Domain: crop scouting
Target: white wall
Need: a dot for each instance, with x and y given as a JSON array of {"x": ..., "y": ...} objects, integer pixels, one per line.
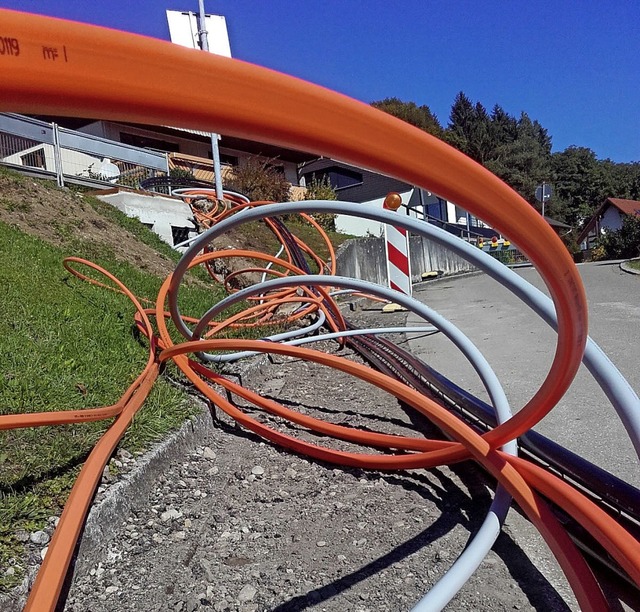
[
  {"x": 611, "y": 220},
  {"x": 74, "y": 163},
  {"x": 357, "y": 226},
  {"x": 159, "y": 212}
]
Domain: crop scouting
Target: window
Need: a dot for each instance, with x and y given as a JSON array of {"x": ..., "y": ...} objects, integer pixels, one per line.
[
  {"x": 144, "y": 142},
  {"x": 278, "y": 168},
  {"x": 35, "y": 159},
  {"x": 339, "y": 178},
  {"x": 225, "y": 160},
  {"x": 437, "y": 210},
  {"x": 179, "y": 234}
]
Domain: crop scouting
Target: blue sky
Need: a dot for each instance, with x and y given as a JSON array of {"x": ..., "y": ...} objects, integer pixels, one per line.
[{"x": 572, "y": 65}]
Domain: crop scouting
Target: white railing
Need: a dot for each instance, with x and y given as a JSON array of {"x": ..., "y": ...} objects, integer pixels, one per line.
[{"x": 48, "y": 149}]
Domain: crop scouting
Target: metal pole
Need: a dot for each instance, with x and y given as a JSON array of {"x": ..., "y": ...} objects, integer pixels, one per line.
[
  {"x": 215, "y": 152},
  {"x": 57, "y": 155},
  {"x": 543, "y": 184},
  {"x": 202, "y": 27},
  {"x": 422, "y": 203}
]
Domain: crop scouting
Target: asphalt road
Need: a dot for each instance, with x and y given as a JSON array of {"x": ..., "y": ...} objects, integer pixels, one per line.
[{"x": 520, "y": 347}]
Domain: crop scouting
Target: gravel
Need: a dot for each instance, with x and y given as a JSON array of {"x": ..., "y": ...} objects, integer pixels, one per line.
[{"x": 241, "y": 525}]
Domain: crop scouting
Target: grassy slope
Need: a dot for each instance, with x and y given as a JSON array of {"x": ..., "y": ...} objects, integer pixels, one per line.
[{"x": 65, "y": 345}]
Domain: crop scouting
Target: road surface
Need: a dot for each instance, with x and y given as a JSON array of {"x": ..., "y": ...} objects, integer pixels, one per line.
[{"x": 520, "y": 347}]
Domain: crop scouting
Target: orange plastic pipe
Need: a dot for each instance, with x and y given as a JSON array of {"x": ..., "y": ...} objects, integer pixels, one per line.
[
  {"x": 299, "y": 115},
  {"x": 50, "y": 578},
  {"x": 93, "y": 76}
]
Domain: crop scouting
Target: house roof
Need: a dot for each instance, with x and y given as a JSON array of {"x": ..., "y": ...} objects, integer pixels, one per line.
[
  {"x": 372, "y": 185},
  {"x": 626, "y": 207},
  {"x": 556, "y": 223}
]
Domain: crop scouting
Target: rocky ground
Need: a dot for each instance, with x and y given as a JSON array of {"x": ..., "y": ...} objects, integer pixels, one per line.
[{"x": 242, "y": 525}]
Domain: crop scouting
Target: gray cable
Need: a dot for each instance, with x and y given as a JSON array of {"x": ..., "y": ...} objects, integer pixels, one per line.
[
  {"x": 299, "y": 331},
  {"x": 308, "y": 339},
  {"x": 623, "y": 398},
  {"x": 481, "y": 543},
  {"x": 617, "y": 389}
]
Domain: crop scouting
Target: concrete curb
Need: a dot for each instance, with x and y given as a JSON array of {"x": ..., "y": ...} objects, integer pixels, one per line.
[
  {"x": 136, "y": 485},
  {"x": 423, "y": 284},
  {"x": 625, "y": 267},
  {"x": 121, "y": 497}
]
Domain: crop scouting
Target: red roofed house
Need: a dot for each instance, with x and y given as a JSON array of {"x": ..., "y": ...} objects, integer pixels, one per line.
[{"x": 608, "y": 217}]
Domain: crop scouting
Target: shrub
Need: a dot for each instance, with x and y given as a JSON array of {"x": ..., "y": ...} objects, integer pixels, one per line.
[
  {"x": 181, "y": 173},
  {"x": 622, "y": 243},
  {"x": 259, "y": 180},
  {"x": 322, "y": 190}
]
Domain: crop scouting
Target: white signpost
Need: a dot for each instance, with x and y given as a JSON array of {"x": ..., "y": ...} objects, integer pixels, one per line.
[
  {"x": 543, "y": 194},
  {"x": 209, "y": 33}
]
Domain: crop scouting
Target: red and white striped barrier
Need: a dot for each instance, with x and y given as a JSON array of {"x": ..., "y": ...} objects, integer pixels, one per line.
[{"x": 397, "y": 249}]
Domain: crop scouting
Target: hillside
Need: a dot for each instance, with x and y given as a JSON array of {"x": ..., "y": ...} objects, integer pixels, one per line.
[
  {"x": 66, "y": 218},
  {"x": 68, "y": 345}
]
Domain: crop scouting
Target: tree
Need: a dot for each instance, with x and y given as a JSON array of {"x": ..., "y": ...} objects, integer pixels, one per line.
[
  {"x": 580, "y": 182},
  {"x": 469, "y": 129},
  {"x": 504, "y": 127},
  {"x": 419, "y": 116},
  {"x": 522, "y": 159},
  {"x": 259, "y": 179},
  {"x": 518, "y": 150}
]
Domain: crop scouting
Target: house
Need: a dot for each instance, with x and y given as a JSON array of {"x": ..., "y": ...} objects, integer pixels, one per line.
[
  {"x": 353, "y": 184},
  {"x": 191, "y": 149},
  {"x": 609, "y": 216},
  {"x": 93, "y": 152}
]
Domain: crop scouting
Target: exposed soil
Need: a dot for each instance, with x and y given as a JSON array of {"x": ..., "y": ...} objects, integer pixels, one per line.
[
  {"x": 58, "y": 216},
  {"x": 242, "y": 525}
]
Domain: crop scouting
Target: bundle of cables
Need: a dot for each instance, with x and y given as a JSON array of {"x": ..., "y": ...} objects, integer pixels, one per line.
[{"x": 282, "y": 110}]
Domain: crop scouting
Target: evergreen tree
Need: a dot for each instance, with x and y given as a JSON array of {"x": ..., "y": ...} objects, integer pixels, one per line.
[
  {"x": 419, "y": 116},
  {"x": 523, "y": 162},
  {"x": 469, "y": 129}
]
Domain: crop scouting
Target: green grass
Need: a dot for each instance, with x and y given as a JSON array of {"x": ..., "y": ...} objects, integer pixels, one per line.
[
  {"x": 635, "y": 264},
  {"x": 68, "y": 345},
  {"x": 65, "y": 344},
  {"x": 257, "y": 236}
]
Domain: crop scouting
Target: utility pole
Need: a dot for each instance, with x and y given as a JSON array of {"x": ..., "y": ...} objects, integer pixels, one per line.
[{"x": 215, "y": 152}]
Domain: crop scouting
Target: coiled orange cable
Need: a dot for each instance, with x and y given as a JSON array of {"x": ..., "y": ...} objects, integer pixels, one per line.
[{"x": 281, "y": 110}]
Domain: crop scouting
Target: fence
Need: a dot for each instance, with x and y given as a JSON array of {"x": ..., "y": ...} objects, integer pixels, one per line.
[
  {"x": 509, "y": 256},
  {"x": 50, "y": 150}
]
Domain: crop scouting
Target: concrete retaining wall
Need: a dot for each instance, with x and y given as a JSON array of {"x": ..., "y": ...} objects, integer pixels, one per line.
[
  {"x": 364, "y": 258},
  {"x": 161, "y": 213}
]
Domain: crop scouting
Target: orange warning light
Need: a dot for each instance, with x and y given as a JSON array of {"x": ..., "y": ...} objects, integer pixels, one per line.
[{"x": 393, "y": 201}]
